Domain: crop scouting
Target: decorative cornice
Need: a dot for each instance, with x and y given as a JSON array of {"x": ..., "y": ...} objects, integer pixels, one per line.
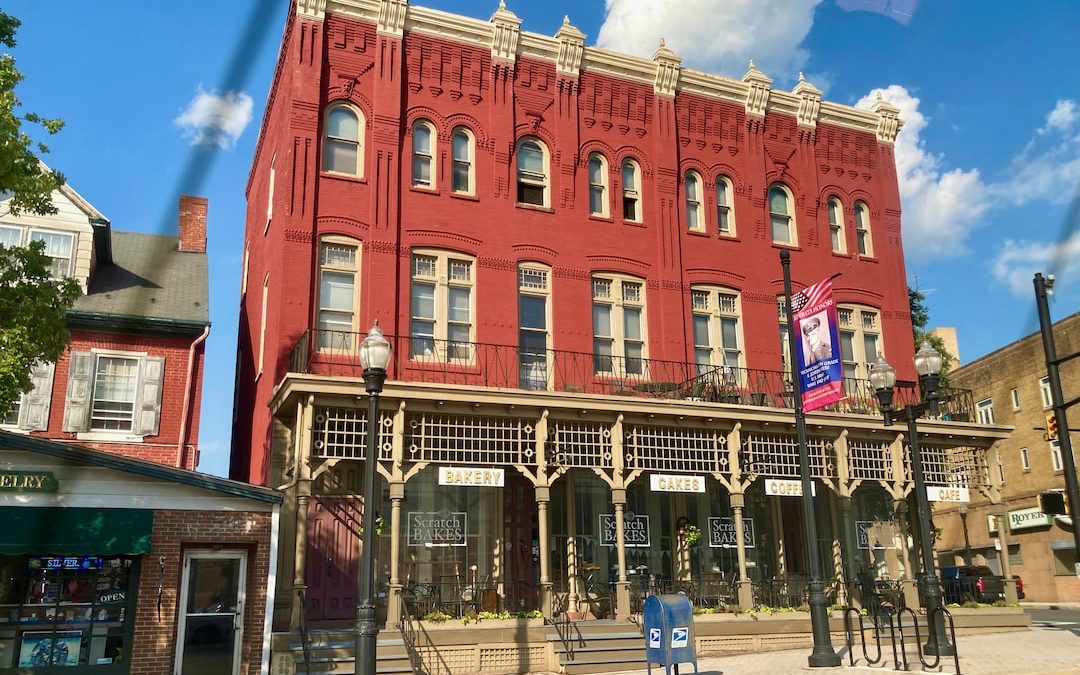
[
  {"x": 668, "y": 65},
  {"x": 506, "y": 31},
  {"x": 809, "y": 102},
  {"x": 758, "y": 86},
  {"x": 311, "y": 9},
  {"x": 571, "y": 47},
  {"x": 392, "y": 17},
  {"x": 889, "y": 122}
]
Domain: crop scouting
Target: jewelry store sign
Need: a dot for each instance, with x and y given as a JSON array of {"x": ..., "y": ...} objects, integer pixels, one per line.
[
  {"x": 787, "y": 488},
  {"x": 635, "y": 530},
  {"x": 471, "y": 476},
  {"x": 722, "y": 532},
  {"x": 28, "y": 481},
  {"x": 676, "y": 483},
  {"x": 943, "y": 493},
  {"x": 436, "y": 528}
]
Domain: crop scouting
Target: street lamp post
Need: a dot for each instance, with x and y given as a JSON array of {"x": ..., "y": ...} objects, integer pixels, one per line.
[
  {"x": 928, "y": 364},
  {"x": 374, "y": 357},
  {"x": 967, "y": 542}
]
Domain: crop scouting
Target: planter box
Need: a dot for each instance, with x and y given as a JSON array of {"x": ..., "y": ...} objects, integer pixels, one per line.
[{"x": 484, "y": 624}]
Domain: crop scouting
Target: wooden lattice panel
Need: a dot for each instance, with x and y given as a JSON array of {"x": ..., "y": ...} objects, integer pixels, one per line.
[
  {"x": 513, "y": 658},
  {"x": 579, "y": 444},
  {"x": 466, "y": 439},
  {"x": 955, "y": 466},
  {"x": 777, "y": 455},
  {"x": 869, "y": 460},
  {"x": 448, "y": 660},
  {"x": 735, "y": 644},
  {"x": 342, "y": 433},
  {"x": 675, "y": 449}
]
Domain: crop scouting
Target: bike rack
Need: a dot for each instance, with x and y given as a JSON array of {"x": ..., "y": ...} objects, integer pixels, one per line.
[{"x": 894, "y": 618}]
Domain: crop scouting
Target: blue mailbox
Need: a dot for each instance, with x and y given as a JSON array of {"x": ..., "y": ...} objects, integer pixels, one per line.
[{"x": 669, "y": 632}]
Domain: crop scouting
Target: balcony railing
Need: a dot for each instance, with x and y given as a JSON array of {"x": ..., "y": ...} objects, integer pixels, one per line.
[{"x": 473, "y": 364}]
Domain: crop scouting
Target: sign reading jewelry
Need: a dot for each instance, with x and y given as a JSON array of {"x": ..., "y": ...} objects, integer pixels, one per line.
[
  {"x": 635, "y": 530},
  {"x": 436, "y": 528},
  {"x": 470, "y": 475},
  {"x": 28, "y": 481},
  {"x": 722, "y": 532}
]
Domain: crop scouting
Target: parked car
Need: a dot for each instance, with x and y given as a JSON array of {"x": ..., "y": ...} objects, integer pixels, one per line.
[
  {"x": 967, "y": 583},
  {"x": 1019, "y": 586}
]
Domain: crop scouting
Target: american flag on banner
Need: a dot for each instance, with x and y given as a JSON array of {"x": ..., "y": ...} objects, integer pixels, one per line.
[{"x": 821, "y": 378}]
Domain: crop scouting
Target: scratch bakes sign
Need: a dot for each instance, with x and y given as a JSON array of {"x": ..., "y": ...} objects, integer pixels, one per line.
[
  {"x": 787, "y": 488},
  {"x": 942, "y": 493},
  {"x": 470, "y": 475},
  {"x": 722, "y": 532},
  {"x": 868, "y": 536},
  {"x": 28, "y": 481},
  {"x": 635, "y": 530},
  {"x": 676, "y": 483},
  {"x": 436, "y": 528}
]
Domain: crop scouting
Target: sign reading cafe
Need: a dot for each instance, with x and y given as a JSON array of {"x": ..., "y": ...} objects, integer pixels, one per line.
[
  {"x": 436, "y": 528},
  {"x": 722, "y": 532},
  {"x": 635, "y": 530}
]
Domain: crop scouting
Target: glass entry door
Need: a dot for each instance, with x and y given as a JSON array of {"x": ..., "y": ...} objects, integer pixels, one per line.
[{"x": 212, "y": 613}]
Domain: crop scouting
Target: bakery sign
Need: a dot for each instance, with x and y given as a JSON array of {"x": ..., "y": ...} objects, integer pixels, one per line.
[
  {"x": 635, "y": 530},
  {"x": 471, "y": 476},
  {"x": 722, "y": 532},
  {"x": 28, "y": 481},
  {"x": 436, "y": 528},
  {"x": 676, "y": 483}
]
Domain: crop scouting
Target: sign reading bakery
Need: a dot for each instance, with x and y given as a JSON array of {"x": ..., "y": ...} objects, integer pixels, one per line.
[
  {"x": 662, "y": 482},
  {"x": 28, "y": 481},
  {"x": 471, "y": 476}
]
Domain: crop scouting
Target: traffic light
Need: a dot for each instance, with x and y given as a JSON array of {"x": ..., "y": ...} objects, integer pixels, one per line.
[
  {"x": 1053, "y": 503},
  {"x": 1051, "y": 427}
]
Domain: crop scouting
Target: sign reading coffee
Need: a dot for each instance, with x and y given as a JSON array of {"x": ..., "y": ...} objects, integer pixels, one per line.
[
  {"x": 436, "y": 528},
  {"x": 635, "y": 530},
  {"x": 722, "y": 532}
]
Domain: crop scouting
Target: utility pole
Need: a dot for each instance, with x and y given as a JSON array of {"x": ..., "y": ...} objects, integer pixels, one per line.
[{"x": 1043, "y": 288}]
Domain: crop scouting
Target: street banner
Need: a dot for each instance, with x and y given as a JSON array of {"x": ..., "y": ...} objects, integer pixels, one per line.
[{"x": 820, "y": 370}]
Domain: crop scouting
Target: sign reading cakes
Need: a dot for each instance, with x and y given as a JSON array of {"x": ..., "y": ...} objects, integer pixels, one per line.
[
  {"x": 722, "y": 532},
  {"x": 28, "y": 481},
  {"x": 635, "y": 530},
  {"x": 436, "y": 528},
  {"x": 661, "y": 482}
]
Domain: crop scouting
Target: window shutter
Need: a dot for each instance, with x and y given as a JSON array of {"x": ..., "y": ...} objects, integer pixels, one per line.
[
  {"x": 148, "y": 400},
  {"x": 34, "y": 412},
  {"x": 80, "y": 380}
]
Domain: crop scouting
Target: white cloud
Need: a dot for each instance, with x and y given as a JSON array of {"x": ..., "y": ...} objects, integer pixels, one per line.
[
  {"x": 1018, "y": 261},
  {"x": 941, "y": 207},
  {"x": 1062, "y": 117},
  {"x": 716, "y": 35},
  {"x": 210, "y": 119}
]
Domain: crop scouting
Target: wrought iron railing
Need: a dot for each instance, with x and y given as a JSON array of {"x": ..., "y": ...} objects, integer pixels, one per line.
[{"x": 475, "y": 364}]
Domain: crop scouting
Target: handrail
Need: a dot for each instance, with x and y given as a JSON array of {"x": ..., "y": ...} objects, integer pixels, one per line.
[
  {"x": 408, "y": 635},
  {"x": 303, "y": 628}
]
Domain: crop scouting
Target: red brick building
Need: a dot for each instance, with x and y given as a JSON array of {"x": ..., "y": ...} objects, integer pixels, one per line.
[
  {"x": 116, "y": 556},
  {"x": 575, "y": 255}
]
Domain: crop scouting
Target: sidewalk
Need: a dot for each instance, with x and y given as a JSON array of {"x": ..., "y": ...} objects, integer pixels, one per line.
[{"x": 1040, "y": 651}]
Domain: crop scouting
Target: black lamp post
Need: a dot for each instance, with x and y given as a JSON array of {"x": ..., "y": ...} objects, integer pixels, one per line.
[
  {"x": 374, "y": 357},
  {"x": 928, "y": 364},
  {"x": 967, "y": 542}
]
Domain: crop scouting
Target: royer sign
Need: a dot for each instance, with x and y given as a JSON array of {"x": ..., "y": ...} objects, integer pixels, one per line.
[
  {"x": 470, "y": 475},
  {"x": 1023, "y": 519}
]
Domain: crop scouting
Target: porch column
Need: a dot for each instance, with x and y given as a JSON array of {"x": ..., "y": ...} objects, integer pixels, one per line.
[
  {"x": 911, "y": 586},
  {"x": 543, "y": 497},
  {"x": 622, "y": 587},
  {"x": 303, "y": 497},
  {"x": 746, "y": 590},
  {"x": 779, "y": 545},
  {"x": 393, "y": 605},
  {"x": 847, "y": 547},
  {"x": 571, "y": 546},
  {"x": 1002, "y": 518}
]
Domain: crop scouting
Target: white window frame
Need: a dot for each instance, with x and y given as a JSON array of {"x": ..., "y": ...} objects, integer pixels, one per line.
[
  {"x": 534, "y": 281},
  {"x": 24, "y": 236},
  {"x": 631, "y": 191},
  {"x": 984, "y": 411},
  {"x": 863, "y": 234},
  {"x": 598, "y": 184},
  {"x": 526, "y": 179},
  {"x": 718, "y": 306},
  {"x": 148, "y": 390},
  {"x": 785, "y": 343},
  {"x": 692, "y": 198},
  {"x": 1055, "y": 456},
  {"x": 725, "y": 206},
  {"x": 1025, "y": 459},
  {"x": 262, "y": 323},
  {"x": 423, "y": 157},
  {"x": 857, "y": 363},
  {"x": 356, "y": 143},
  {"x": 270, "y": 180},
  {"x": 620, "y": 304},
  {"x": 1044, "y": 391},
  {"x": 342, "y": 270},
  {"x": 792, "y": 238},
  {"x": 835, "y": 210},
  {"x": 1014, "y": 394},
  {"x": 468, "y": 163},
  {"x": 443, "y": 283}
]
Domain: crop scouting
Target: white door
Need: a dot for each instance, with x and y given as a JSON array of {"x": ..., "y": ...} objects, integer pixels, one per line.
[{"x": 211, "y": 622}]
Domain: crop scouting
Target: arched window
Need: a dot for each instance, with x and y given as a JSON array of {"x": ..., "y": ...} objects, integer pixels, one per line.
[
  {"x": 597, "y": 185},
  {"x": 692, "y": 186},
  {"x": 631, "y": 191},
  {"x": 862, "y": 229},
  {"x": 423, "y": 164},
  {"x": 461, "y": 173},
  {"x": 725, "y": 214},
  {"x": 532, "y": 173},
  {"x": 836, "y": 225},
  {"x": 781, "y": 215},
  {"x": 343, "y": 141}
]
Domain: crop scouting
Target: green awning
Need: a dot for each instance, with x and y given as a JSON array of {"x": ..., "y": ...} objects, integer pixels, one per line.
[{"x": 75, "y": 531}]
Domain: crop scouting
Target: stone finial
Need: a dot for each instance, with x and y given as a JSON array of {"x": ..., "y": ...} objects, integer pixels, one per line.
[
  {"x": 809, "y": 102},
  {"x": 506, "y": 33},
  {"x": 571, "y": 47},
  {"x": 759, "y": 85},
  {"x": 889, "y": 122},
  {"x": 668, "y": 67},
  {"x": 392, "y": 17}
]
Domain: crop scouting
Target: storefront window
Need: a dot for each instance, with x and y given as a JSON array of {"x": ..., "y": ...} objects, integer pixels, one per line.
[
  {"x": 879, "y": 541},
  {"x": 65, "y": 610}
]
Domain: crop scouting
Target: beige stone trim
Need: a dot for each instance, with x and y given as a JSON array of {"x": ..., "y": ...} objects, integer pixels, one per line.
[
  {"x": 571, "y": 47},
  {"x": 311, "y": 9},
  {"x": 392, "y": 17},
  {"x": 505, "y": 33},
  {"x": 668, "y": 65}
]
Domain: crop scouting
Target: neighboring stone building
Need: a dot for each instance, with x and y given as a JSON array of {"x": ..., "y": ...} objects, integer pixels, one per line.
[
  {"x": 575, "y": 254},
  {"x": 1011, "y": 388}
]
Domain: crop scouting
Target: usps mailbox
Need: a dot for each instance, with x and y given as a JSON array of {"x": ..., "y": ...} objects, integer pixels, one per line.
[{"x": 669, "y": 632}]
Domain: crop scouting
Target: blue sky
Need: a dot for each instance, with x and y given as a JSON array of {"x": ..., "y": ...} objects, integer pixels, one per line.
[{"x": 165, "y": 98}]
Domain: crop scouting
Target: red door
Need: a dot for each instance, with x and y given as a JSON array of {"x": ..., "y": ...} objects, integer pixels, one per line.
[
  {"x": 521, "y": 541},
  {"x": 333, "y": 545}
]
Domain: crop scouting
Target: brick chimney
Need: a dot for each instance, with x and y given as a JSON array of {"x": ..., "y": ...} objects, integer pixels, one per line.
[{"x": 192, "y": 224}]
